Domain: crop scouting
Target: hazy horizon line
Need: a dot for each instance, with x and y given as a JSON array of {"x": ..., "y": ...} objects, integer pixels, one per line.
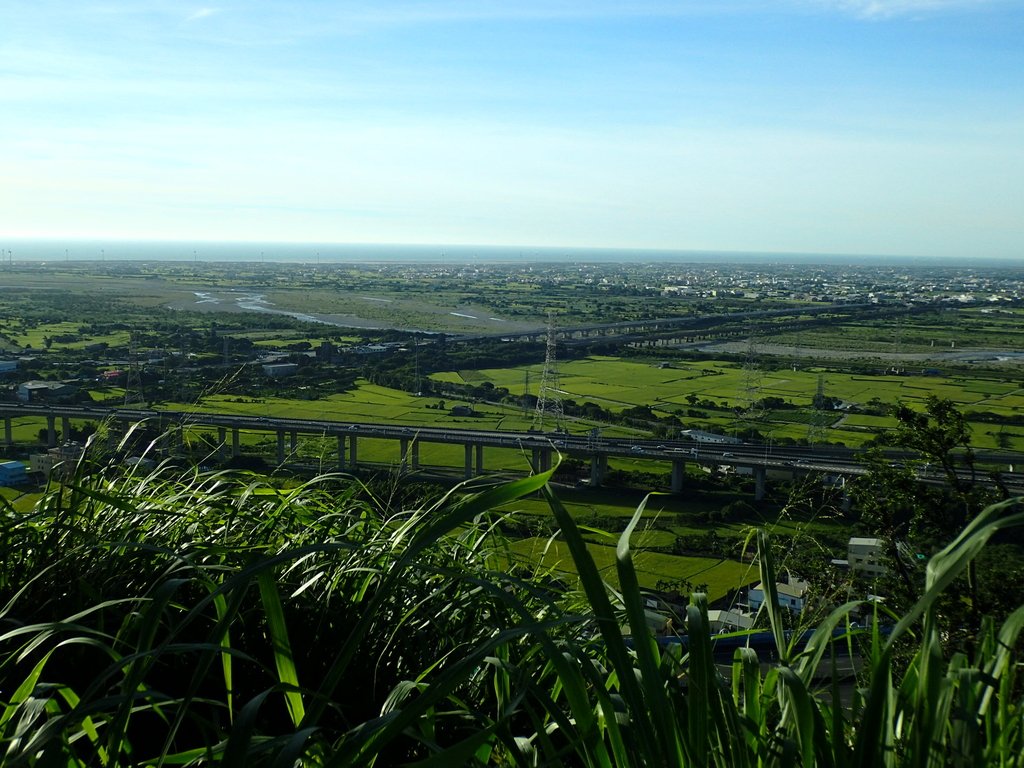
[{"x": 60, "y": 248}]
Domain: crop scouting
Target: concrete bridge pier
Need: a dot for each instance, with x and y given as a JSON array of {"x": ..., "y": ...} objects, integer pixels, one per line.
[
  {"x": 480, "y": 459},
  {"x": 236, "y": 442},
  {"x": 51, "y": 431},
  {"x": 280, "y": 446},
  {"x": 545, "y": 459},
  {"x": 678, "y": 475},
  {"x": 65, "y": 428},
  {"x": 114, "y": 430},
  {"x": 469, "y": 461},
  {"x": 8, "y": 432},
  {"x": 403, "y": 453},
  {"x": 222, "y": 439},
  {"x": 598, "y": 468},
  {"x": 760, "y": 481},
  {"x": 294, "y": 442},
  {"x": 341, "y": 453},
  {"x": 352, "y": 461},
  {"x": 415, "y": 455}
]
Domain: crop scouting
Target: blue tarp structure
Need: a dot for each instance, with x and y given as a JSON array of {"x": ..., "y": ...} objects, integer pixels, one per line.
[{"x": 12, "y": 473}]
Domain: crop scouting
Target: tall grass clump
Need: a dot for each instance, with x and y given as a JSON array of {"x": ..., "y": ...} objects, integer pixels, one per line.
[
  {"x": 177, "y": 616},
  {"x": 184, "y": 618}
]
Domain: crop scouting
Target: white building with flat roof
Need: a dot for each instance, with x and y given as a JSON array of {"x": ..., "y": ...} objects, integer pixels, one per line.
[
  {"x": 701, "y": 436},
  {"x": 865, "y": 556},
  {"x": 277, "y": 370}
]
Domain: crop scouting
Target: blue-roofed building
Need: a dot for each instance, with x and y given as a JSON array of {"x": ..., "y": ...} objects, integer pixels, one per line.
[{"x": 12, "y": 473}]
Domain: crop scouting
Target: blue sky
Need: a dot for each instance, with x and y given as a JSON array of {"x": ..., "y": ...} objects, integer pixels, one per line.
[{"x": 830, "y": 126}]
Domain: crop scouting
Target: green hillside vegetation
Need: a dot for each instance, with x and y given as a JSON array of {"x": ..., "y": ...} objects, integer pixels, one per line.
[{"x": 189, "y": 618}]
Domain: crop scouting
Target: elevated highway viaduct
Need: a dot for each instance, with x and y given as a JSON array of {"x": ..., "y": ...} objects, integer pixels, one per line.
[
  {"x": 755, "y": 459},
  {"x": 700, "y": 324}
]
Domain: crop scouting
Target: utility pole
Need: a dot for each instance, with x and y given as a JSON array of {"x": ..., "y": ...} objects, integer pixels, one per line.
[{"x": 133, "y": 377}]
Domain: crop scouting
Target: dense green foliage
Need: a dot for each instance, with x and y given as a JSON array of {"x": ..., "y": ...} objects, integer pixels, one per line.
[{"x": 173, "y": 618}]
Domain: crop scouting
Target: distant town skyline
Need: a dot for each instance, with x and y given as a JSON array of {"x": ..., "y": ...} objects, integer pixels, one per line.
[{"x": 798, "y": 126}]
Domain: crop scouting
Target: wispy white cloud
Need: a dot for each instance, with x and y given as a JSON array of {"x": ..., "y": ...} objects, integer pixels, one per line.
[
  {"x": 202, "y": 13},
  {"x": 887, "y": 9},
  {"x": 418, "y": 11}
]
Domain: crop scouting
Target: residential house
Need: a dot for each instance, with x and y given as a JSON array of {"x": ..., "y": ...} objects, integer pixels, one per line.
[
  {"x": 60, "y": 460},
  {"x": 791, "y": 594}
]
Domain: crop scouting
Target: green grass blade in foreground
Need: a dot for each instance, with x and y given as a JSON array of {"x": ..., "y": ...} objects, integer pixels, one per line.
[
  {"x": 1005, "y": 725},
  {"x": 909, "y": 711},
  {"x": 642, "y": 741},
  {"x": 946, "y": 565},
  {"x": 702, "y": 683},
  {"x": 802, "y": 718},
  {"x": 576, "y": 676},
  {"x": 363, "y": 744},
  {"x": 460, "y": 513},
  {"x": 747, "y": 694},
  {"x": 999, "y": 662},
  {"x": 771, "y": 596},
  {"x": 658, "y": 704},
  {"x": 822, "y": 638},
  {"x": 284, "y": 660},
  {"x": 227, "y": 665}
]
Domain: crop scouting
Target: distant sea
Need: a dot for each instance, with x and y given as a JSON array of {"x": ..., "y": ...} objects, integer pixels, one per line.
[{"x": 39, "y": 250}]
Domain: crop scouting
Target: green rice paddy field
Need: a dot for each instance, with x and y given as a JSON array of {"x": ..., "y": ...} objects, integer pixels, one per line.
[
  {"x": 617, "y": 384},
  {"x": 22, "y": 502},
  {"x": 720, "y": 576},
  {"x": 35, "y": 337}
]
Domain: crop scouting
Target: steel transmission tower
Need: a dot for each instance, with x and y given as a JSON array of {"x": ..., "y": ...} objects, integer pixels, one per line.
[
  {"x": 753, "y": 409},
  {"x": 816, "y": 430},
  {"x": 549, "y": 399}
]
